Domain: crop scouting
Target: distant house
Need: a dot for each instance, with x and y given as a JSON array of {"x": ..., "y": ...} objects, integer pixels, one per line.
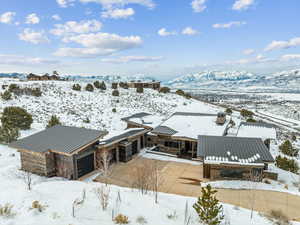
[
  {"x": 60, "y": 151},
  {"x": 178, "y": 135},
  {"x": 138, "y": 84},
  {"x": 265, "y": 131},
  {"x": 33, "y": 77},
  {"x": 232, "y": 157}
]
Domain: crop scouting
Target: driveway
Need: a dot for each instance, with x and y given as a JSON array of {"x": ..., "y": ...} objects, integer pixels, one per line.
[{"x": 184, "y": 179}]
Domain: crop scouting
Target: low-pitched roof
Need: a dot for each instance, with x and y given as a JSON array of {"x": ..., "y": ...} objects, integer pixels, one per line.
[
  {"x": 59, "y": 138},
  {"x": 144, "y": 119},
  {"x": 190, "y": 125},
  {"x": 257, "y": 129},
  {"x": 236, "y": 150}
]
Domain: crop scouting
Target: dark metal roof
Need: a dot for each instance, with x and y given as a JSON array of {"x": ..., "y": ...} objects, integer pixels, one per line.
[
  {"x": 164, "y": 130},
  {"x": 59, "y": 138},
  {"x": 137, "y": 115},
  {"x": 258, "y": 124},
  {"x": 243, "y": 148},
  {"x": 122, "y": 136}
]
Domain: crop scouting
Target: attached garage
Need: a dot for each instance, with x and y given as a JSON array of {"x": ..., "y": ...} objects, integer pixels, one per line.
[{"x": 85, "y": 165}]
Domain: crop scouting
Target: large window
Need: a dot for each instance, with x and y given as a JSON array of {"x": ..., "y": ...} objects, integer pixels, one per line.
[
  {"x": 232, "y": 173},
  {"x": 171, "y": 144}
]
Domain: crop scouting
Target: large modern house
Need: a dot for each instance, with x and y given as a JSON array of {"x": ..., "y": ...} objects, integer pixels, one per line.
[{"x": 73, "y": 152}]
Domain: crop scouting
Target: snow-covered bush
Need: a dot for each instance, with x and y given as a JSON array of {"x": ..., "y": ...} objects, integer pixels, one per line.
[
  {"x": 76, "y": 87},
  {"x": 36, "y": 205},
  {"x": 141, "y": 220},
  {"x": 6, "y": 210},
  {"x": 6, "y": 96},
  {"x": 89, "y": 87},
  {"x": 115, "y": 93},
  {"x": 53, "y": 121}
]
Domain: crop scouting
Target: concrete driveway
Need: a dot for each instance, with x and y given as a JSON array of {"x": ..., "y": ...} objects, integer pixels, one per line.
[{"x": 185, "y": 178}]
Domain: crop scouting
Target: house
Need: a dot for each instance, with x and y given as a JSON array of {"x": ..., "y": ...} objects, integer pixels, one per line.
[
  {"x": 143, "y": 120},
  {"x": 123, "y": 146},
  {"x": 138, "y": 84},
  {"x": 178, "y": 134},
  {"x": 233, "y": 157},
  {"x": 33, "y": 77},
  {"x": 265, "y": 131},
  {"x": 59, "y": 151}
]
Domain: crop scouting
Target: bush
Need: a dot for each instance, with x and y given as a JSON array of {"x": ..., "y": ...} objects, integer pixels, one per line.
[
  {"x": 102, "y": 86},
  {"x": 286, "y": 164},
  {"x": 6, "y": 210},
  {"x": 87, "y": 120},
  {"x": 180, "y": 92},
  {"x": 141, "y": 220},
  {"x": 228, "y": 111},
  {"x": 6, "y": 95},
  {"x": 8, "y": 134},
  {"x": 16, "y": 117},
  {"x": 97, "y": 84},
  {"x": 89, "y": 87},
  {"x": 288, "y": 149},
  {"x": 246, "y": 113},
  {"x": 37, "y": 205},
  {"x": 36, "y": 92},
  {"x": 208, "y": 208},
  {"x": 114, "y": 110},
  {"x": 278, "y": 217},
  {"x": 115, "y": 93},
  {"x": 140, "y": 90},
  {"x": 114, "y": 85},
  {"x": 13, "y": 87},
  {"x": 121, "y": 219},
  {"x": 123, "y": 85},
  {"x": 76, "y": 87},
  {"x": 53, "y": 121},
  {"x": 164, "y": 90},
  {"x": 251, "y": 120}
]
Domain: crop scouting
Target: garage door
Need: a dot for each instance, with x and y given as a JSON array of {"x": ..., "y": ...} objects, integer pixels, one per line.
[{"x": 85, "y": 165}]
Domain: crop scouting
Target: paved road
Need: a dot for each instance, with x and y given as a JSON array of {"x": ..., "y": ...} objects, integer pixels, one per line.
[{"x": 184, "y": 178}]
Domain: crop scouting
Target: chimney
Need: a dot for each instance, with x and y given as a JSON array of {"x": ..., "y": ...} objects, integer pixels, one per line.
[{"x": 221, "y": 118}]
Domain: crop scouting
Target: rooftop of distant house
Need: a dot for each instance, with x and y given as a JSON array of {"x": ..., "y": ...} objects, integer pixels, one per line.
[
  {"x": 145, "y": 119},
  {"x": 257, "y": 129}
]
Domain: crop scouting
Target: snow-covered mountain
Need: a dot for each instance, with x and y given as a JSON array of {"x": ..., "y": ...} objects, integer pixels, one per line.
[{"x": 238, "y": 79}]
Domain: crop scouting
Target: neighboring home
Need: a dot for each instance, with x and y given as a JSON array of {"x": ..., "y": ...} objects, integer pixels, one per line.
[
  {"x": 34, "y": 77},
  {"x": 151, "y": 84},
  {"x": 60, "y": 151},
  {"x": 143, "y": 120},
  {"x": 265, "y": 131},
  {"x": 178, "y": 135},
  {"x": 124, "y": 145},
  {"x": 233, "y": 157}
]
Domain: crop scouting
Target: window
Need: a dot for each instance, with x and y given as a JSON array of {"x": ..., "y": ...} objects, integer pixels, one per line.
[
  {"x": 232, "y": 173},
  {"x": 171, "y": 144}
]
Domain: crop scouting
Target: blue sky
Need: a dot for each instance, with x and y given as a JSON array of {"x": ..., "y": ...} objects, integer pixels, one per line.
[{"x": 162, "y": 38}]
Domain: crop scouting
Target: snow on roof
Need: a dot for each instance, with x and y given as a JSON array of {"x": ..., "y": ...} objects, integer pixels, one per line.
[
  {"x": 149, "y": 120},
  {"x": 258, "y": 130},
  {"x": 191, "y": 125},
  {"x": 120, "y": 134}
]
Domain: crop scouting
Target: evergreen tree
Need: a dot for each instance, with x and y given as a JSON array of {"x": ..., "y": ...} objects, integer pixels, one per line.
[
  {"x": 140, "y": 90},
  {"x": 53, "y": 121},
  {"x": 164, "y": 90},
  {"x": 287, "y": 164},
  {"x": 228, "y": 111},
  {"x": 246, "y": 113},
  {"x": 76, "y": 87},
  {"x": 115, "y": 93},
  {"x": 114, "y": 85},
  {"x": 97, "y": 84},
  {"x": 16, "y": 117},
  {"x": 103, "y": 86},
  {"x": 6, "y": 96},
  {"x": 288, "y": 149},
  {"x": 89, "y": 87},
  {"x": 8, "y": 134},
  {"x": 209, "y": 210}
]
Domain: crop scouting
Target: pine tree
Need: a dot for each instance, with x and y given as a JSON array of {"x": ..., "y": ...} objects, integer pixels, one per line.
[
  {"x": 97, "y": 84},
  {"x": 76, "y": 87},
  {"x": 209, "y": 210},
  {"x": 140, "y": 90},
  {"x": 89, "y": 87},
  {"x": 288, "y": 149},
  {"x": 16, "y": 117},
  {"x": 6, "y": 96},
  {"x": 8, "y": 134},
  {"x": 102, "y": 86},
  {"x": 53, "y": 121}
]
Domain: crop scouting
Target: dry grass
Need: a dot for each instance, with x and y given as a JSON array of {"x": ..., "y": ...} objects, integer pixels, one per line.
[
  {"x": 121, "y": 219},
  {"x": 277, "y": 217}
]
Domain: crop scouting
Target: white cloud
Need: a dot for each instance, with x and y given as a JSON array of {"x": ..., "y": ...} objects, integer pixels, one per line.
[
  {"x": 32, "y": 19},
  {"x": 229, "y": 25},
  {"x": 248, "y": 51},
  {"x": 24, "y": 60},
  {"x": 257, "y": 59},
  {"x": 56, "y": 17},
  {"x": 242, "y": 4},
  {"x": 98, "y": 44},
  {"x": 34, "y": 37},
  {"x": 189, "y": 31},
  {"x": 73, "y": 27},
  {"x": 118, "y": 13},
  {"x": 108, "y": 4},
  {"x": 198, "y": 5},
  {"x": 289, "y": 57},
  {"x": 7, "y": 17},
  {"x": 65, "y": 3},
  {"x": 163, "y": 32},
  {"x": 283, "y": 44},
  {"x": 126, "y": 59}
]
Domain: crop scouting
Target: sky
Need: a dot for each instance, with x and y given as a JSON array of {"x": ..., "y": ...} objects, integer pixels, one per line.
[{"x": 159, "y": 38}]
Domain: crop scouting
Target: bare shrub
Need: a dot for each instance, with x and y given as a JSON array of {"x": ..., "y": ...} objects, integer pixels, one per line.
[
  {"x": 103, "y": 194},
  {"x": 77, "y": 202},
  {"x": 27, "y": 178},
  {"x": 104, "y": 160},
  {"x": 156, "y": 179},
  {"x": 141, "y": 220},
  {"x": 277, "y": 217},
  {"x": 121, "y": 219},
  {"x": 143, "y": 177},
  {"x": 172, "y": 216},
  {"x": 6, "y": 210},
  {"x": 38, "y": 206}
]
